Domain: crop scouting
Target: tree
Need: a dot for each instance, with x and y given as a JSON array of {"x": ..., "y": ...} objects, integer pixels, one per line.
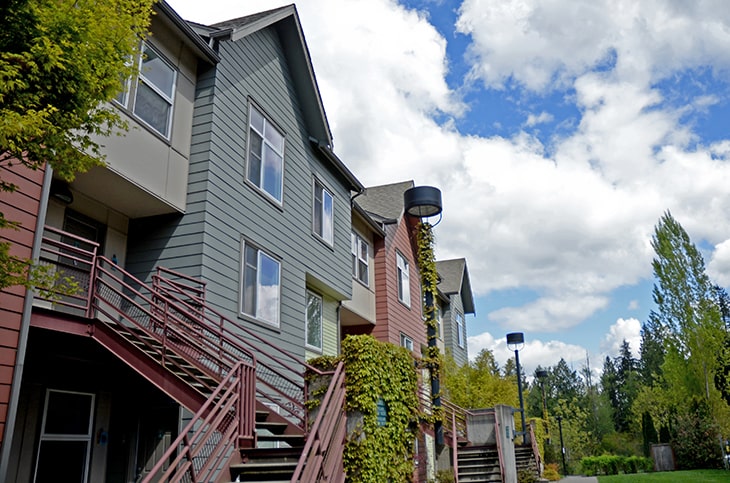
[
  {"x": 60, "y": 62},
  {"x": 689, "y": 321},
  {"x": 478, "y": 384}
]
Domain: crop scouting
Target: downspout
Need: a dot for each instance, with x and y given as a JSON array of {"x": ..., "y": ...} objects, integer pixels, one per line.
[{"x": 24, "y": 329}]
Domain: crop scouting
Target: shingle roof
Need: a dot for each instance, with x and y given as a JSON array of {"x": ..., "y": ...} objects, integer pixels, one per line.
[
  {"x": 245, "y": 20},
  {"x": 455, "y": 280},
  {"x": 384, "y": 202}
]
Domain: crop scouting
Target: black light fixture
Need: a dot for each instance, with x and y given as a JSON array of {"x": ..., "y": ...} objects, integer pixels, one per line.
[
  {"x": 422, "y": 201},
  {"x": 515, "y": 342},
  {"x": 61, "y": 192}
]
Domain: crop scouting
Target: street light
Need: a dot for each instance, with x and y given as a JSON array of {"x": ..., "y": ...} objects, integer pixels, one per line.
[
  {"x": 515, "y": 342},
  {"x": 562, "y": 445},
  {"x": 423, "y": 202}
]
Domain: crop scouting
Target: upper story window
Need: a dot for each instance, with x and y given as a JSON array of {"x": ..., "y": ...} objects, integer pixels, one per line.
[
  {"x": 439, "y": 320},
  {"x": 323, "y": 213},
  {"x": 265, "y": 155},
  {"x": 151, "y": 97},
  {"x": 460, "y": 330},
  {"x": 406, "y": 341},
  {"x": 260, "y": 285},
  {"x": 404, "y": 286},
  {"x": 313, "y": 328},
  {"x": 360, "y": 256}
]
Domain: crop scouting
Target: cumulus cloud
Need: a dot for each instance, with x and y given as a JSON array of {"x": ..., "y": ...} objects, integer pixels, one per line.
[
  {"x": 719, "y": 266},
  {"x": 535, "y": 352},
  {"x": 569, "y": 222},
  {"x": 628, "y": 330}
]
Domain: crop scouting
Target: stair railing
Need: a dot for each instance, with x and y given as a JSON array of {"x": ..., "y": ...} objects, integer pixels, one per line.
[
  {"x": 206, "y": 445},
  {"x": 321, "y": 458},
  {"x": 280, "y": 375},
  {"x": 498, "y": 432},
  {"x": 535, "y": 449}
]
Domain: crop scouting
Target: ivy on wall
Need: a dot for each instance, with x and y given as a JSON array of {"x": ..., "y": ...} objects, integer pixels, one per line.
[{"x": 381, "y": 384}]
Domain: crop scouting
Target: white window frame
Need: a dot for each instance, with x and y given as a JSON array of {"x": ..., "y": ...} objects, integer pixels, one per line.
[
  {"x": 257, "y": 313},
  {"x": 267, "y": 127},
  {"x": 326, "y": 229},
  {"x": 86, "y": 437},
  {"x": 460, "y": 329},
  {"x": 128, "y": 97},
  {"x": 403, "y": 280},
  {"x": 406, "y": 342},
  {"x": 357, "y": 243},
  {"x": 319, "y": 298}
]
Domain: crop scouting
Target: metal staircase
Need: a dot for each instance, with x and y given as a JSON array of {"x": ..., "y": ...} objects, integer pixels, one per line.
[{"x": 228, "y": 375}]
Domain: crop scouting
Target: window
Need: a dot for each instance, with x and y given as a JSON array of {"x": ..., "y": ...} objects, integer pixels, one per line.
[
  {"x": 314, "y": 321},
  {"x": 153, "y": 92},
  {"x": 406, "y": 342},
  {"x": 261, "y": 286},
  {"x": 323, "y": 213},
  {"x": 404, "y": 287},
  {"x": 265, "y": 155},
  {"x": 360, "y": 256},
  {"x": 460, "y": 330},
  {"x": 439, "y": 320}
]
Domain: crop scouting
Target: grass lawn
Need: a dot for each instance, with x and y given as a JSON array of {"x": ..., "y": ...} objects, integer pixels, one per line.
[{"x": 694, "y": 476}]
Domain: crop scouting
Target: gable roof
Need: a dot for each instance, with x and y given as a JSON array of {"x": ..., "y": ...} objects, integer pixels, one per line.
[
  {"x": 455, "y": 280},
  {"x": 190, "y": 37},
  {"x": 385, "y": 202},
  {"x": 286, "y": 22}
]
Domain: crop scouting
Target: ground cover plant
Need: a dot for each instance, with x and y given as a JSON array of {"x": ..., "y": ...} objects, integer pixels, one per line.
[{"x": 695, "y": 476}]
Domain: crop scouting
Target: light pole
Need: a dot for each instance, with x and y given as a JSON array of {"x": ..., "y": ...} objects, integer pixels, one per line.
[
  {"x": 515, "y": 342},
  {"x": 423, "y": 202},
  {"x": 562, "y": 445},
  {"x": 541, "y": 375}
]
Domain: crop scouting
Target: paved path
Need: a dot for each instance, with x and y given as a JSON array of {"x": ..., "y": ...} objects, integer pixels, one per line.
[{"x": 579, "y": 479}]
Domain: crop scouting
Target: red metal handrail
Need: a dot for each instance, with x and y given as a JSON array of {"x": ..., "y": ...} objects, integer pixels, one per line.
[
  {"x": 535, "y": 449},
  {"x": 497, "y": 434},
  {"x": 203, "y": 448},
  {"x": 321, "y": 458}
]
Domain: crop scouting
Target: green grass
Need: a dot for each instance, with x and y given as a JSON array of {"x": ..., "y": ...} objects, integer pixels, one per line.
[{"x": 694, "y": 476}]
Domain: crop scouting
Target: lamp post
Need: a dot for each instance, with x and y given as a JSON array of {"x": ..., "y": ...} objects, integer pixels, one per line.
[
  {"x": 515, "y": 342},
  {"x": 562, "y": 445},
  {"x": 541, "y": 375},
  {"x": 423, "y": 202}
]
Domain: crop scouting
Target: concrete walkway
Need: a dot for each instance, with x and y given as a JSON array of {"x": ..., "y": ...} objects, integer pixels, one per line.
[{"x": 579, "y": 479}]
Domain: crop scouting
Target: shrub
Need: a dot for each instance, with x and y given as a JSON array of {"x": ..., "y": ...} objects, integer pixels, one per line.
[
  {"x": 551, "y": 472},
  {"x": 526, "y": 476}
]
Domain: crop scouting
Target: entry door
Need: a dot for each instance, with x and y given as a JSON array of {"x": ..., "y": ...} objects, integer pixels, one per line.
[{"x": 65, "y": 445}]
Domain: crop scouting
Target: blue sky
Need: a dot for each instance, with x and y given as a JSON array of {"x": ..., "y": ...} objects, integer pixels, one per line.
[{"x": 558, "y": 131}]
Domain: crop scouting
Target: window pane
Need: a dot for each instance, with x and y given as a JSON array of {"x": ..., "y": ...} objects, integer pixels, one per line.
[
  {"x": 254, "y": 158},
  {"x": 158, "y": 72},
  {"x": 327, "y": 222},
  {"x": 353, "y": 250},
  {"x": 249, "y": 280},
  {"x": 317, "y": 209},
  {"x": 272, "y": 173},
  {"x": 314, "y": 321},
  {"x": 268, "y": 291},
  {"x": 68, "y": 413},
  {"x": 363, "y": 274},
  {"x": 62, "y": 461},
  {"x": 257, "y": 120},
  {"x": 274, "y": 138},
  {"x": 152, "y": 108}
]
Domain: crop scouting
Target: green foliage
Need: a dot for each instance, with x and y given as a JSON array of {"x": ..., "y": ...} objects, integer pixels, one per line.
[
  {"x": 704, "y": 476},
  {"x": 696, "y": 438},
  {"x": 613, "y": 465},
  {"x": 380, "y": 370},
  {"x": 444, "y": 476},
  {"x": 526, "y": 476},
  {"x": 60, "y": 61},
  {"x": 550, "y": 472},
  {"x": 478, "y": 384}
]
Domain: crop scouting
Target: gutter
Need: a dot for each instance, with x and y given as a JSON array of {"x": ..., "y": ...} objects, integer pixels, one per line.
[{"x": 355, "y": 184}]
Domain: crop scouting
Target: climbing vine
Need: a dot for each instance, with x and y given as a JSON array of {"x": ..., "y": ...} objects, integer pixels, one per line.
[
  {"x": 429, "y": 282},
  {"x": 381, "y": 386}
]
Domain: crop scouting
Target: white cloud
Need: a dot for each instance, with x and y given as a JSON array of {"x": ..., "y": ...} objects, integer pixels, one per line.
[
  {"x": 624, "y": 329},
  {"x": 533, "y": 120},
  {"x": 570, "y": 222},
  {"x": 534, "y": 353},
  {"x": 633, "y": 305},
  {"x": 719, "y": 266}
]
